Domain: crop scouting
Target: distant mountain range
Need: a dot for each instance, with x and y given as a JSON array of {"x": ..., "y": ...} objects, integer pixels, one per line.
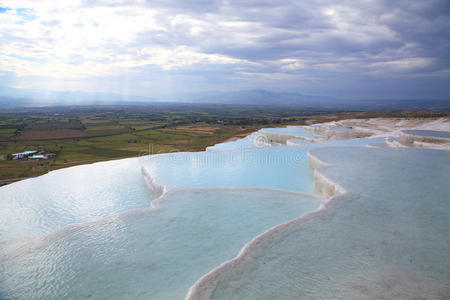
[
  {"x": 12, "y": 97},
  {"x": 262, "y": 97}
]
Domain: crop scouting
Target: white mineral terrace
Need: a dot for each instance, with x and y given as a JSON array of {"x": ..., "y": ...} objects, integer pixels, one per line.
[{"x": 432, "y": 133}]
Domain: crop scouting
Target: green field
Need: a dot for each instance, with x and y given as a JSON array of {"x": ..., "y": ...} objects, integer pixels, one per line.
[{"x": 80, "y": 135}]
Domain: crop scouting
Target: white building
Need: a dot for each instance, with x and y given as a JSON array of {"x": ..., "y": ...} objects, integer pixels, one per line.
[{"x": 23, "y": 154}]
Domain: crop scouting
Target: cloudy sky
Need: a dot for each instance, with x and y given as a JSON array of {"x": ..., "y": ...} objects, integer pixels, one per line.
[{"x": 354, "y": 49}]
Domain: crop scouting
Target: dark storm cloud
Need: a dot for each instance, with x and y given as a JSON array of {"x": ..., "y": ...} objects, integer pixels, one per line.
[
  {"x": 368, "y": 31},
  {"x": 286, "y": 29}
]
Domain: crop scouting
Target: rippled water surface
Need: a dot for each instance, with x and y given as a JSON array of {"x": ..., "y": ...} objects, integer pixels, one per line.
[
  {"x": 147, "y": 254},
  {"x": 46, "y": 203},
  {"x": 387, "y": 238}
]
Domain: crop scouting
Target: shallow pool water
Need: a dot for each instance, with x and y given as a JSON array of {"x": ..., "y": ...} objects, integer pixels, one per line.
[
  {"x": 429, "y": 133},
  {"x": 147, "y": 254},
  {"x": 49, "y": 202},
  {"x": 387, "y": 238},
  {"x": 297, "y": 131},
  {"x": 277, "y": 167},
  {"x": 274, "y": 167}
]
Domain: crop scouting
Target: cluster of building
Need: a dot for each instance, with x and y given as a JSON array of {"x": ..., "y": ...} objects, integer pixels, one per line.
[{"x": 31, "y": 154}]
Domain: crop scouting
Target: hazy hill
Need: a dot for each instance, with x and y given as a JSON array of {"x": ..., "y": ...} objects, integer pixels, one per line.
[{"x": 11, "y": 97}]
